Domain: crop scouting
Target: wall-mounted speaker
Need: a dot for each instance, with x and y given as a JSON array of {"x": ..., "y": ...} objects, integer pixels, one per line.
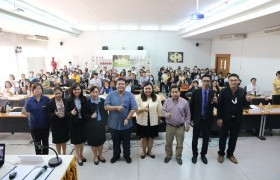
[
  {"x": 105, "y": 48},
  {"x": 61, "y": 43},
  {"x": 140, "y": 48},
  {"x": 196, "y": 44}
]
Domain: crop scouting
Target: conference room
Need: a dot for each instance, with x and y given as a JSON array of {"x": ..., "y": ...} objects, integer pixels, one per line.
[{"x": 100, "y": 89}]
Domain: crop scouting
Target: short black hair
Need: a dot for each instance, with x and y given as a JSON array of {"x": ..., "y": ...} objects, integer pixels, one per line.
[
  {"x": 195, "y": 81},
  {"x": 278, "y": 72},
  {"x": 206, "y": 75},
  {"x": 92, "y": 88},
  {"x": 253, "y": 79},
  {"x": 34, "y": 86},
  {"x": 233, "y": 75},
  {"x": 174, "y": 86},
  {"x": 120, "y": 79},
  {"x": 57, "y": 88}
]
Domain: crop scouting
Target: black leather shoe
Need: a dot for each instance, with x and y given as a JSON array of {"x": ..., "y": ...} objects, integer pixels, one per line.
[
  {"x": 128, "y": 160},
  {"x": 167, "y": 159},
  {"x": 194, "y": 159},
  {"x": 204, "y": 159},
  {"x": 179, "y": 161},
  {"x": 115, "y": 159},
  {"x": 151, "y": 155},
  {"x": 80, "y": 163},
  {"x": 101, "y": 160},
  {"x": 84, "y": 159},
  {"x": 96, "y": 162},
  {"x": 143, "y": 156}
]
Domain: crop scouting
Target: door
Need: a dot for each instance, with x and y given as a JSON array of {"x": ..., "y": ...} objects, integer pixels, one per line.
[{"x": 222, "y": 63}]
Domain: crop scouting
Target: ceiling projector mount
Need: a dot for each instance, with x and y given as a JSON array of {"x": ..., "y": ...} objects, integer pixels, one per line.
[{"x": 197, "y": 15}]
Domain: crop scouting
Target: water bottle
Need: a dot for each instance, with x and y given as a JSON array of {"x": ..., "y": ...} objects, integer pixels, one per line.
[
  {"x": 261, "y": 107},
  {"x": 269, "y": 107}
]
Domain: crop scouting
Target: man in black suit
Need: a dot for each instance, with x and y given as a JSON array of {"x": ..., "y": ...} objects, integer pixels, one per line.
[
  {"x": 232, "y": 99},
  {"x": 202, "y": 103}
]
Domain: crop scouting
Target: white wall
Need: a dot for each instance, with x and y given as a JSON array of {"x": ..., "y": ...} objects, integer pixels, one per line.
[
  {"x": 157, "y": 43},
  {"x": 256, "y": 56},
  {"x": 12, "y": 63}
]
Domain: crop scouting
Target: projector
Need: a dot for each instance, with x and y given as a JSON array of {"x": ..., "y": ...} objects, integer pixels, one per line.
[{"x": 197, "y": 16}]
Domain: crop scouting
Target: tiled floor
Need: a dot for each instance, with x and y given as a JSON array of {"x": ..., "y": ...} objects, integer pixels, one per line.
[{"x": 258, "y": 160}]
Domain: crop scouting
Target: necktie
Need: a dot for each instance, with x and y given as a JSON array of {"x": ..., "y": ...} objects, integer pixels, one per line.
[{"x": 205, "y": 104}]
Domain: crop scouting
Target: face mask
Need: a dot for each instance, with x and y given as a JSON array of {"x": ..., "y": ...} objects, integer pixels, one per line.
[
  {"x": 151, "y": 79},
  {"x": 44, "y": 78},
  {"x": 55, "y": 77},
  {"x": 38, "y": 77}
]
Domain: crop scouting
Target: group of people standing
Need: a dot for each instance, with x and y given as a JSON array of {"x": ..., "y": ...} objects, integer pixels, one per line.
[{"x": 82, "y": 119}]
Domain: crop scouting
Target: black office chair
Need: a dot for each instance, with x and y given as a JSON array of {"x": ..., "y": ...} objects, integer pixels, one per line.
[
  {"x": 71, "y": 81},
  {"x": 257, "y": 101},
  {"x": 19, "y": 109},
  {"x": 47, "y": 91},
  {"x": 276, "y": 99},
  {"x": 245, "y": 88}
]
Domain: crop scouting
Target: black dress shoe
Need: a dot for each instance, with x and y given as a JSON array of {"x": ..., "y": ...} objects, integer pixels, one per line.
[
  {"x": 143, "y": 156},
  {"x": 115, "y": 159},
  {"x": 194, "y": 159},
  {"x": 80, "y": 163},
  {"x": 167, "y": 159},
  {"x": 151, "y": 155},
  {"x": 96, "y": 162},
  {"x": 204, "y": 159},
  {"x": 84, "y": 159},
  {"x": 179, "y": 161},
  {"x": 128, "y": 160},
  {"x": 101, "y": 160}
]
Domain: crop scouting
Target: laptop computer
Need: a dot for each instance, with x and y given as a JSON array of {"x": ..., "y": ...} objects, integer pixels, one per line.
[{"x": 2, "y": 154}]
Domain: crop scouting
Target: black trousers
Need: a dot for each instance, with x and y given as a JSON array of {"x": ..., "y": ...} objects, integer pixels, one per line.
[
  {"x": 162, "y": 85},
  {"x": 229, "y": 129},
  {"x": 204, "y": 127},
  {"x": 41, "y": 137},
  {"x": 121, "y": 136}
]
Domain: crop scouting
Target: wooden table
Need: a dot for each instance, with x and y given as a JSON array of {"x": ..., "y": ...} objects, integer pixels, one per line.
[
  {"x": 64, "y": 171},
  {"x": 13, "y": 122},
  {"x": 15, "y": 99}
]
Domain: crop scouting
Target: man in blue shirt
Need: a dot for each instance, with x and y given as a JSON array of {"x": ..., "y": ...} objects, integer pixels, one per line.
[{"x": 121, "y": 106}]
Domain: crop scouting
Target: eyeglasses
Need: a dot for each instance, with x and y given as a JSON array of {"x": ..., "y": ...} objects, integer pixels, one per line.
[
  {"x": 233, "y": 80},
  {"x": 205, "y": 80}
]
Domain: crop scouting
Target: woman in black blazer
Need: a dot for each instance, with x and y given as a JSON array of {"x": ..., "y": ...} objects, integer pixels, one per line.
[
  {"x": 59, "y": 122},
  {"x": 96, "y": 124},
  {"x": 75, "y": 106}
]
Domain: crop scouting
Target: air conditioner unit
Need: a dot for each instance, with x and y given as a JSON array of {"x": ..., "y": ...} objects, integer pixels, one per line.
[
  {"x": 231, "y": 37},
  {"x": 273, "y": 30},
  {"x": 37, "y": 38}
]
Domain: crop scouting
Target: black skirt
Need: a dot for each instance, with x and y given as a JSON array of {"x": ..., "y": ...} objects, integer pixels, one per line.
[
  {"x": 96, "y": 133},
  {"x": 60, "y": 131},
  {"x": 77, "y": 132},
  {"x": 147, "y": 131}
]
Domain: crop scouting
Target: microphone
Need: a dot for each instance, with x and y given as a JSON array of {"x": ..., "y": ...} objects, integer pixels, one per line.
[
  {"x": 53, "y": 162},
  {"x": 44, "y": 168}
]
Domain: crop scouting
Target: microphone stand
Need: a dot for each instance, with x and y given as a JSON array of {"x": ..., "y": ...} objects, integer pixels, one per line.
[{"x": 53, "y": 162}]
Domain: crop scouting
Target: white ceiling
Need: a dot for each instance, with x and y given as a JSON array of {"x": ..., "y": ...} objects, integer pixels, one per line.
[
  {"x": 254, "y": 25},
  {"x": 89, "y": 14},
  {"x": 135, "y": 14}
]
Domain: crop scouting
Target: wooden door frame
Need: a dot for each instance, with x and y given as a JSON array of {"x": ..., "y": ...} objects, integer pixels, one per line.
[{"x": 220, "y": 56}]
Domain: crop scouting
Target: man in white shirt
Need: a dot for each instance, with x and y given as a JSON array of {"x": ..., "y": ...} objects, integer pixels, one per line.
[
  {"x": 95, "y": 81},
  {"x": 252, "y": 88},
  {"x": 70, "y": 66}
]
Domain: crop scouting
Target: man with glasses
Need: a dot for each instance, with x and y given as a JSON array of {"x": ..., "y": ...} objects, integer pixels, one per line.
[
  {"x": 232, "y": 99},
  {"x": 202, "y": 103}
]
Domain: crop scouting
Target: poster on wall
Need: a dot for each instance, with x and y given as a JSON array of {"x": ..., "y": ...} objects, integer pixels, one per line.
[
  {"x": 121, "y": 61},
  {"x": 175, "y": 57}
]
